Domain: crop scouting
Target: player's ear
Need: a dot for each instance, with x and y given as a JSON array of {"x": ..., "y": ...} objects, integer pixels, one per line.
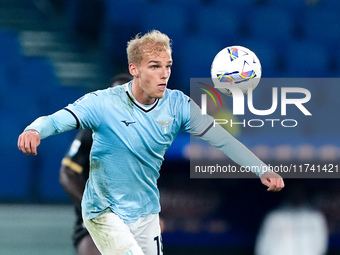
[{"x": 133, "y": 70}]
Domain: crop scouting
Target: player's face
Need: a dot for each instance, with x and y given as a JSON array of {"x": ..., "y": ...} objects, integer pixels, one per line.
[{"x": 151, "y": 76}]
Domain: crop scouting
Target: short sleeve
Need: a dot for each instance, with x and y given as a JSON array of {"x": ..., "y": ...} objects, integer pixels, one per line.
[
  {"x": 199, "y": 123},
  {"x": 88, "y": 110},
  {"x": 194, "y": 121}
]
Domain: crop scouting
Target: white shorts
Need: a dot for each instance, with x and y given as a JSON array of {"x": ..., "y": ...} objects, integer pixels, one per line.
[{"x": 112, "y": 236}]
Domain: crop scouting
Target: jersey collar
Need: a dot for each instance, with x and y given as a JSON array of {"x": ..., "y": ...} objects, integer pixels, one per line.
[{"x": 145, "y": 108}]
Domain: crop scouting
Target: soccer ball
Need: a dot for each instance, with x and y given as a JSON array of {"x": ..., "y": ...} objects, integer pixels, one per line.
[{"x": 235, "y": 67}]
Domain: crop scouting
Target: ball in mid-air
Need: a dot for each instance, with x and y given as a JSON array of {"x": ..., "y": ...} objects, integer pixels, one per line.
[{"x": 236, "y": 66}]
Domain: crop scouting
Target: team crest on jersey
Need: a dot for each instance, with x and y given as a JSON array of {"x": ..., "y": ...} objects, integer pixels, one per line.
[
  {"x": 165, "y": 125},
  {"x": 79, "y": 100}
]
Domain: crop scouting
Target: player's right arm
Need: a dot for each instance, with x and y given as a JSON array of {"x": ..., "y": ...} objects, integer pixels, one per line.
[
  {"x": 86, "y": 112},
  {"x": 43, "y": 127}
]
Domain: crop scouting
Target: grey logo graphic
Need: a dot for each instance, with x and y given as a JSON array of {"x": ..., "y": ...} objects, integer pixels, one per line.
[
  {"x": 127, "y": 123},
  {"x": 165, "y": 125}
]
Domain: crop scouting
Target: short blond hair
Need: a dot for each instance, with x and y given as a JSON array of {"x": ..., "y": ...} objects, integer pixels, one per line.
[{"x": 150, "y": 42}]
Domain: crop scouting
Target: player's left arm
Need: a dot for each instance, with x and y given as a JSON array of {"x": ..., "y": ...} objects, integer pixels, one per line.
[
  {"x": 203, "y": 126},
  {"x": 240, "y": 154}
]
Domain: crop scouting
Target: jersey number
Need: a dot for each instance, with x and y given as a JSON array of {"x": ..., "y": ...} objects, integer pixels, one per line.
[{"x": 159, "y": 244}]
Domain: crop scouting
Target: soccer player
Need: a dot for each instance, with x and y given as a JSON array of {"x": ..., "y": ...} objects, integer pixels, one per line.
[
  {"x": 133, "y": 125},
  {"x": 73, "y": 175}
]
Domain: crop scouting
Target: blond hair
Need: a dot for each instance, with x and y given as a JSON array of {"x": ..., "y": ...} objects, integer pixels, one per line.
[{"x": 152, "y": 41}]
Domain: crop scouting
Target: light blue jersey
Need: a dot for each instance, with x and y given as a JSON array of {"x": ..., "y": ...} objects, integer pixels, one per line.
[{"x": 129, "y": 142}]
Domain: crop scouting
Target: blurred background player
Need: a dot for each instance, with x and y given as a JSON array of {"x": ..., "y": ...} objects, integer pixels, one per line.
[
  {"x": 73, "y": 175},
  {"x": 296, "y": 227}
]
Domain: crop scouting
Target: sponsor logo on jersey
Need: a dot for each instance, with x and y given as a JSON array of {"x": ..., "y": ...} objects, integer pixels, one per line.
[{"x": 127, "y": 123}]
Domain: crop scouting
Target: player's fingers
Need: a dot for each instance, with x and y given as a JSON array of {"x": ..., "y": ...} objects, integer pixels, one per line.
[
  {"x": 269, "y": 182},
  {"x": 22, "y": 144},
  {"x": 273, "y": 181},
  {"x": 28, "y": 142},
  {"x": 279, "y": 184},
  {"x": 276, "y": 184},
  {"x": 33, "y": 147},
  {"x": 271, "y": 186},
  {"x": 27, "y": 145},
  {"x": 34, "y": 143}
]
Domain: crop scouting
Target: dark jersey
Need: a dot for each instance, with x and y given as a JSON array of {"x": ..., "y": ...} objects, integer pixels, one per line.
[{"x": 77, "y": 159}]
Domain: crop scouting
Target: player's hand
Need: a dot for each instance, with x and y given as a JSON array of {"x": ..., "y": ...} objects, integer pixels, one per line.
[
  {"x": 28, "y": 142},
  {"x": 273, "y": 181}
]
